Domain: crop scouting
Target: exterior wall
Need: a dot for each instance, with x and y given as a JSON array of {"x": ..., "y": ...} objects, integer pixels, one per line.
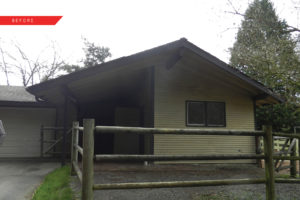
[
  {"x": 22, "y": 126},
  {"x": 173, "y": 87}
]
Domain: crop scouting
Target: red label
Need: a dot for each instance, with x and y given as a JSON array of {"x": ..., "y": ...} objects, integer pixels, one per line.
[{"x": 29, "y": 20}]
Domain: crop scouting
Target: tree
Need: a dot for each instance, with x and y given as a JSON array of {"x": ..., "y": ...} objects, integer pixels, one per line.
[
  {"x": 30, "y": 71},
  {"x": 94, "y": 55},
  {"x": 290, "y": 28},
  {"x": 14, "y": 60},
  {"x": 283, "y": 117},
  {"x": 265, "y": 51}
]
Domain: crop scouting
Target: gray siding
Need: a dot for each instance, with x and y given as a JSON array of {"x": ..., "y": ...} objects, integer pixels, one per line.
[{"x": 22, "y": 126}]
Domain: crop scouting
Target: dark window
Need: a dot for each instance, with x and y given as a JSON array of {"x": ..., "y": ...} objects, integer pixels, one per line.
[
  {"x": 196, "y": 113},
  {"x": 205, "y": 113},
  {"x": 215, "y": 114}
]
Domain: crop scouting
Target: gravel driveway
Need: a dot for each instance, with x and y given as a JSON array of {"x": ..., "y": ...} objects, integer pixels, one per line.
[{"x": 117, "y": 173}]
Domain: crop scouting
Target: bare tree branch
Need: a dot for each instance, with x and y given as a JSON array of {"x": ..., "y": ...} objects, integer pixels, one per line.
[
  {"x": 30, "y": 71},
  {"x": 232, "y": 6},
  {"x": 291, "y": 29},
  {"x": 4, "y": 65}
]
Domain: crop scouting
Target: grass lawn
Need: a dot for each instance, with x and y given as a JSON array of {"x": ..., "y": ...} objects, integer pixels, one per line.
[{"x": 55, "y": 186}]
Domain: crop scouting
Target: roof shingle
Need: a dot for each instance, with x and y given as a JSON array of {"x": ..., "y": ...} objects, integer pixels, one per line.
[{"x": 15, "y": 94}]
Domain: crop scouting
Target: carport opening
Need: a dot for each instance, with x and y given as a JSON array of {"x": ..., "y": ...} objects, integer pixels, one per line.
[
  {"x": 125, "y": 104},
  {"x": 114, "y": 113}
]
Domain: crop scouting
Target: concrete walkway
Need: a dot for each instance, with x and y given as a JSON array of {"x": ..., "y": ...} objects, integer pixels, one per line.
[{"x": 19, "y": 179}]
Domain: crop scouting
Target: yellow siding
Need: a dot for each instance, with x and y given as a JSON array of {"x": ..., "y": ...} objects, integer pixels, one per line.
[{"x": 174, "y": 87}]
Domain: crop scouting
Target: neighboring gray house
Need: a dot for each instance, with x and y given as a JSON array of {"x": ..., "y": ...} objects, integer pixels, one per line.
[{"x": 22, "y": 117}]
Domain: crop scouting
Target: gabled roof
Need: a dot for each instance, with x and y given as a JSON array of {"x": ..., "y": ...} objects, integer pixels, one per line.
[
  {"x": 15, "y": 94},
  {"x": 170, "y": 47}
]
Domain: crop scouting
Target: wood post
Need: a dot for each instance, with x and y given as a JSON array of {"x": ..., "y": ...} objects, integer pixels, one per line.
[
  {"x": 88, "y": 154},
  {"x": 293, "y": 163},
  {"x": 74, "y": 151},
  {"x": 42, "y": 141},
  {"x": 269, "y": 164},
  {"x": 258, "y": 150},
  {"x": 299, "y": 154}
]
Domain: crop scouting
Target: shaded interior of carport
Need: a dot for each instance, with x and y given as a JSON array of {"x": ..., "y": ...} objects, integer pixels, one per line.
[{"x": 118, "y": 99}]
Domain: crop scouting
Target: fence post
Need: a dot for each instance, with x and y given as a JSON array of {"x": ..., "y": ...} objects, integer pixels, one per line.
[
  {"x": 269, "y": 164},
  {"x": 88, "y": 155},
  {"x": 293, "y": 163},
  {"x": 42, "y": 140},
  {"x": 299, "y": 155},
  {"x": 74, "y": 151}
]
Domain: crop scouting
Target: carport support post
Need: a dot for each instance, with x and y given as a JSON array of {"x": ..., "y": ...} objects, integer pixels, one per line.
[
  {"x": 269, "y": 164},
  {"x": 74, "y": 151},
  {"x": 88, "y": 155}
]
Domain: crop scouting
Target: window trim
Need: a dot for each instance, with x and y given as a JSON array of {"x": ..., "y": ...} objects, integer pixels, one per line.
[{"x": 205, "y": 114}]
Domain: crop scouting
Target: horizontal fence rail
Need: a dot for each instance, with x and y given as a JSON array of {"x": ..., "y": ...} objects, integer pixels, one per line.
[
  {"x": 79, "y": 128},
  {"x": 287, "y": 135},
  {"x": 86, "y": 175},
  {"x": 286, "y": 157},
  {"x": 49, "y": 128},
  {"x": 174, "y": 157},
  {"x": 284, "y": 180},
  {"x": 172, "y": 184},
  {"x": 118, "y": 186},
  {"x": 175, "y": 131}
]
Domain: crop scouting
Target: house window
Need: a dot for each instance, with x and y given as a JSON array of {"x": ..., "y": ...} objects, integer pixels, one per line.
[{"x": 205, "y": 113}]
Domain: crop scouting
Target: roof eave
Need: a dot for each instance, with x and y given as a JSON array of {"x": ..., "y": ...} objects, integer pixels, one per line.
[
  {"x": 26, "y": 104},
  {"x": 151, "y": 52},
  {"x": 92, "y": 70},
  {"x": 231, "y": 70}
]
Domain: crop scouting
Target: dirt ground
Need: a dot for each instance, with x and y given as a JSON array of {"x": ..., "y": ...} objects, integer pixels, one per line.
[{"x": 118, "y": 173}]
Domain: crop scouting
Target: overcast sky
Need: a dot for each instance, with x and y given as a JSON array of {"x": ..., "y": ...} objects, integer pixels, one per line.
[{"x": 130, "y": 26}]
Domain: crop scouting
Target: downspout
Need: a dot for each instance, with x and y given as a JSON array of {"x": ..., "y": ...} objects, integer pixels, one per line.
[{"x": 64, "y": 143}]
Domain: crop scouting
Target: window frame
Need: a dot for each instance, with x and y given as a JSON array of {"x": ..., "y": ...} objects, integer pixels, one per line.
[{"x": 205, "y": 114}]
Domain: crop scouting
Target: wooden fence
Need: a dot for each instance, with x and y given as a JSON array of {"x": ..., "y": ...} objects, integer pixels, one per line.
[
  {"x": 50, "y": 138},
  {"x": 86, "y": 176}
]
